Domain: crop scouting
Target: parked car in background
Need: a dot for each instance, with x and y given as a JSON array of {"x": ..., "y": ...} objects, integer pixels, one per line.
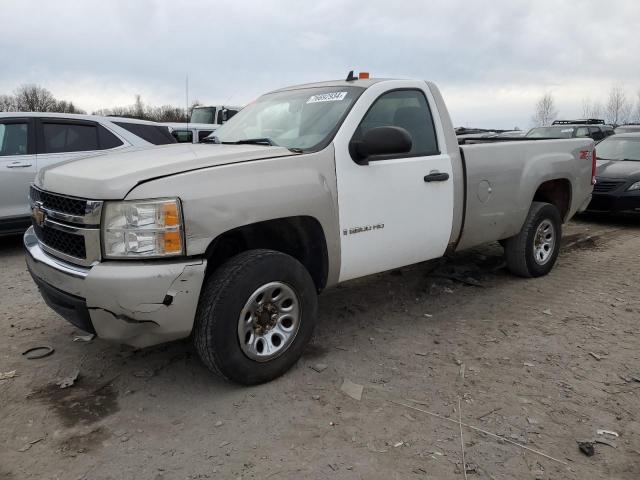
[
  {"x": 588, "y": 128},
  {"x": 31, "y": 141},
  {"x": 510, "y": 134},
  {"x": 190, "y": 132},
  {"x": 463, "y": 133},
  {"x": 617, "y": 187},
  {"x": 309, "y": 186},
  {"x": 628, "y": 128}
]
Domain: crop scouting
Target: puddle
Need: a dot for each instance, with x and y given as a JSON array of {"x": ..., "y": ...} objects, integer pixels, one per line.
[{"x": 82, "y": 404}]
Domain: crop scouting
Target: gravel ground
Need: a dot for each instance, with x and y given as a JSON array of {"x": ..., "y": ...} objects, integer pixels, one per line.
[{"x": 543, "y": 363}]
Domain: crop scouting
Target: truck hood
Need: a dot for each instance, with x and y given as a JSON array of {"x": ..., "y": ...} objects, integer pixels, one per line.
[
  {"x": 112, "y": 176},
  {"x": 621, "y": 169}
]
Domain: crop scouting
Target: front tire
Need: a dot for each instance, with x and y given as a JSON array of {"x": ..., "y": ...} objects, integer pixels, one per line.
[
  {"x": 534, "y": 251},
  {"x": 255, "y": 316}
]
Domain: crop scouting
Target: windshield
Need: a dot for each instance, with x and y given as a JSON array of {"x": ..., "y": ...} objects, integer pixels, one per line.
[
  {"x": 303, "y": 119},
  {"x": 203, "y": 115},
  {"x": 551, "y": 132},
  {"x": 614, "y": 148}
]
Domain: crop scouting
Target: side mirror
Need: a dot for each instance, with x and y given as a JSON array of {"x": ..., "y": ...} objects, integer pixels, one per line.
[
  {"x": 380, "y": 141},
  {"x": 225, "y": 117}
]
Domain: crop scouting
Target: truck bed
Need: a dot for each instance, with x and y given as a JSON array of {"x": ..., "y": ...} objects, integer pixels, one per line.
[{"x": 502, "y": 177}]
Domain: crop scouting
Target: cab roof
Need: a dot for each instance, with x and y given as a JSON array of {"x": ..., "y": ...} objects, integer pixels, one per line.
[{"x": 365, "y": 83}]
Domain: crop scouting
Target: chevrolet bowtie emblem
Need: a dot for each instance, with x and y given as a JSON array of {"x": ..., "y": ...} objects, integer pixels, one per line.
[{"x": 38, "y": 214}]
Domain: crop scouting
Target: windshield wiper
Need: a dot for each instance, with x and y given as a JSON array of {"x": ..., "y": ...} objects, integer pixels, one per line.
[{"x": 254, "y": 141}]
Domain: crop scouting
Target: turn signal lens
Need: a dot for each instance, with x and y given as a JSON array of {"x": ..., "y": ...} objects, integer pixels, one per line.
[
  {"x": 171, "y": 216},
  {"x": 172, "y": 243}
]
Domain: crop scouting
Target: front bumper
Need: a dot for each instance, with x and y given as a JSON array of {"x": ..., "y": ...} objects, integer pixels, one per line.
[
  {"x": 132, "y": 302},
  {"x": 615, "y": 202}
]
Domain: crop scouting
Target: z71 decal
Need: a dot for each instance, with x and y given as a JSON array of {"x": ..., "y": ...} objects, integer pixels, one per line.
[{"x": 367, "y": 228}]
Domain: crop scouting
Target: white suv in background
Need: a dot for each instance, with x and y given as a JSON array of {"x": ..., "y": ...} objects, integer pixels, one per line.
[{"x": 32, "y": 141}]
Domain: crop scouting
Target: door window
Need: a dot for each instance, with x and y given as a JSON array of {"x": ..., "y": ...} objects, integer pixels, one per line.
[
  {"x": 407, "y": 109},
  {"x": 225, "y": 114},
  {"x": 69, "y": 137},
  {"x": 156, "y": 134},
  {"x": 202, "y": 134},
  {"x": 582, "y": 132},
  {"x": 107, "y": 139},
  {"x": 183, "y": 136},
  {"x": 14, "y": 139}
]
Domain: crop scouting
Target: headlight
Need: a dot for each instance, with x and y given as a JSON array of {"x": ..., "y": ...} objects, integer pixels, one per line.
[
  {"x": 142, "y": 229},
  {"x": 635, "y": 186}
]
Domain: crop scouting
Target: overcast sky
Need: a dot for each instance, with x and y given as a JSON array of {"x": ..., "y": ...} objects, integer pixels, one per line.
[{"x": 491, "y": 59}]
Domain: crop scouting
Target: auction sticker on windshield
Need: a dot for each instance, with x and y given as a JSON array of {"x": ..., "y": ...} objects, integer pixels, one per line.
[{"x": 327, "y": 97}]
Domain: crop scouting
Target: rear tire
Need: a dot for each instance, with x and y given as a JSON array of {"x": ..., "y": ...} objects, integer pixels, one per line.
[
  {"x": 534, "y": 251},
  {"x": 255, "y": 316}
]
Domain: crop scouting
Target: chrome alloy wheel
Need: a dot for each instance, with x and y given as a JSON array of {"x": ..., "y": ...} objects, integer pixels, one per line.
[
  {"x": 269, "y": 321},
  {"x": 544, "y": 242}
]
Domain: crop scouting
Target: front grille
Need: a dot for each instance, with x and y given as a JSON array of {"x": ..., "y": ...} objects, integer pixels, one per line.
[
  {"x": 67, "y": 227},
  {"x": 602, "y": 186},
  {"x": 63, "y": 242},
  {"x": 59, "y": 203}
]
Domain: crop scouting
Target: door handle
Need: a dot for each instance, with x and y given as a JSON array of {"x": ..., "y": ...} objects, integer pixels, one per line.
[
  {"x": 19, "y": 165},
  {"x": 436, "y": 177}
]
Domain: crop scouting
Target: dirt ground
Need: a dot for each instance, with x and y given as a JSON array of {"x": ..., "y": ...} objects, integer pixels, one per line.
[{"x": 543, "y": 363}]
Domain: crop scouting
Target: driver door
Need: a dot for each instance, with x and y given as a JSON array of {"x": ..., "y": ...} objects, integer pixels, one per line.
[{"x": 397, "y": 209}]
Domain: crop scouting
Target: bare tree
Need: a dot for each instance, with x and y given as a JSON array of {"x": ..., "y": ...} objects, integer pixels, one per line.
[
  {"x": 591, "y": 109},
  {"x": 545, "y": 111},
  {"x": 62, "y": 106},
  {"x": 7, "y": 103},
  {"x": 618, "y": 106},
  {"x": 164, "y": 113},
  {"x": 33, "y": 98},
  {"x": 167, "y": 113}
]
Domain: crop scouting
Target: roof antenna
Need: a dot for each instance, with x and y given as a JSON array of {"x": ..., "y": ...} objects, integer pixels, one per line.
[
  {"x": 351, "y": 77},
  {"x": 187, "y": 99}
]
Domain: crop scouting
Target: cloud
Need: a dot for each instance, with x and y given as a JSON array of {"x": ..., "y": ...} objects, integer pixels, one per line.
[{"x": 492, "y": 59}]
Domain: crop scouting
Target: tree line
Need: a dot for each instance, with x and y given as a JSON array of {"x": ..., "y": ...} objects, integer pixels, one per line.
[
  {"x": 619, "y": 108},
  {"x": 34, "y": 98}
]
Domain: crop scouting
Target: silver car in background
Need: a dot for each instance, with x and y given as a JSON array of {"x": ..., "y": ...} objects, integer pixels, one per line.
[{"x": 32, "y": 141}]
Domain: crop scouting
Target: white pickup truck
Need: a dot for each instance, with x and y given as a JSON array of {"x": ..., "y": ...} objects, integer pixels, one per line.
[{"x": 306, "y": 187}]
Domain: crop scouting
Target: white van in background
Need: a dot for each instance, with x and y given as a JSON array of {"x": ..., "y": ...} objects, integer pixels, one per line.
[{"x": 203, "y": 122}]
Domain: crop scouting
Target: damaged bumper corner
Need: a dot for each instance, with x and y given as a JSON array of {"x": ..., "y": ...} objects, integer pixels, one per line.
[{"x": 131, "y": 302}]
